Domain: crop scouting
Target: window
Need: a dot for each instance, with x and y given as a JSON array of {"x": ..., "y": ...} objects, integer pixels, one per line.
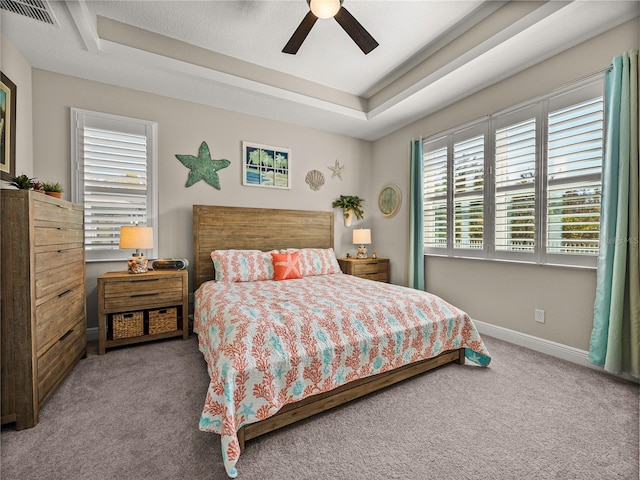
[
  {"x": 522, "y": 185},
  {"x": 114, "y": 177}
]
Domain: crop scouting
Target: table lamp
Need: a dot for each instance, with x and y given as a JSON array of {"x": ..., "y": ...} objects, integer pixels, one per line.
[
  {"x": 362, "y": 236},
  {"x": 138, "y": 238}
]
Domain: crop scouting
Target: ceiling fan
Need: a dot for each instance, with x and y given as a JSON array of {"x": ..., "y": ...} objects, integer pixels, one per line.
[{"x": 327, "y": 9}]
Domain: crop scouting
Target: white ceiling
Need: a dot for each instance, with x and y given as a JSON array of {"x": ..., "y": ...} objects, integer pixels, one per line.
[{"x": 227, "y": 54}]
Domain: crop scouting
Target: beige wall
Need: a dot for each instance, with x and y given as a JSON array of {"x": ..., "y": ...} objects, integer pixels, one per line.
[
  {"x": 502, "y": 294},
  {"x": 16, "y": 67},
  {"x": 182, "y": 126}
]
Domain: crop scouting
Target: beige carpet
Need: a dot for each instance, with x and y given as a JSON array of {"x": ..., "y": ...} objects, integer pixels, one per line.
[{"x": 133, "y": 414}]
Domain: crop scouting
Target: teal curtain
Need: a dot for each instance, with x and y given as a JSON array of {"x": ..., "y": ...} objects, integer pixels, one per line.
[
  {"x": 416, "y": 220},
  {"x": 615, "y": 338}
]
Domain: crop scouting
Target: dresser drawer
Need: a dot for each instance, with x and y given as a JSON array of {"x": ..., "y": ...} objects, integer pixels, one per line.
[
  {"x": 59, "y": 258},
  {"x": 49, "y": 284},
  {"x": 56, "y": 315},
  {"x": 141, "y": 294},
  {"x": 47, "y": 210},
  {"x": 57, "y": 236},
  {"x": 55, "y": 363}
]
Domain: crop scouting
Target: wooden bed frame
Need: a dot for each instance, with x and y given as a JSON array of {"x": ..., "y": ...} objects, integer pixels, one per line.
[{"x": 218, "y": 228}]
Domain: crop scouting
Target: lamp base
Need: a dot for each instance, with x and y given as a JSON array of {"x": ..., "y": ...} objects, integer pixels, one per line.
[
  {"x": 137, "y": 264},
  {"x": 362, "y": 252}
]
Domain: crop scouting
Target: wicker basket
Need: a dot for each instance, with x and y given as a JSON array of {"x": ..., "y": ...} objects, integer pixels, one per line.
[
  {"x": 130, "y": 324},
  {"x": 164, "y": 320}
]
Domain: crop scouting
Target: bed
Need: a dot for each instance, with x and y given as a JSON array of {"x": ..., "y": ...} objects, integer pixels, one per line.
[{"x": 279, "y": 351}]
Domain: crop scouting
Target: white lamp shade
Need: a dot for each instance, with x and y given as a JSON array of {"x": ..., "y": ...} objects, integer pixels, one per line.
[
  {"x": 324, "y": 8},
  {"x": 137, "y": 238},
  {"x": 362, "y": 236}
]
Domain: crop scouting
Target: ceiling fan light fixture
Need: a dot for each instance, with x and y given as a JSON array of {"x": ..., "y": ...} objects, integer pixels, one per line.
[{"x": 324, "y": 8}]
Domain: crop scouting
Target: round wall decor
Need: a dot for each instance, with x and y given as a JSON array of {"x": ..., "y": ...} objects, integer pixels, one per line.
[{"x": 389, "y": 200}]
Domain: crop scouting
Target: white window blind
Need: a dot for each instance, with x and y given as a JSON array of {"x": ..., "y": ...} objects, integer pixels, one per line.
[
  {"x": 574, "y": 178},
  {"x": 515, "y": 172},
  {"x": 435, "y": 196},
  {"x": 468, "y": 193},
  {"x": 114, "y": 164}
]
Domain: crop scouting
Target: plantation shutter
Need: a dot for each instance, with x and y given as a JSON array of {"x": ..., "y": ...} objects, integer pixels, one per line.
[
  {"x": 468, "y": 193},
  {"x": 515, "y": 176},
  {"x": 435, "y": 197},
  {"x": 113, "y": 181},
  {"x": 574, "y": 166}
]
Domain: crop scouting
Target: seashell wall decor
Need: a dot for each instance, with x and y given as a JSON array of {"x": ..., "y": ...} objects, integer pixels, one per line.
[{"x": 315, "y": 179}]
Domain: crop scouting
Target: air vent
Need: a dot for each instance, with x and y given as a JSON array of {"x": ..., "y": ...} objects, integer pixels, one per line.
[{"x": 36, "y": 9}]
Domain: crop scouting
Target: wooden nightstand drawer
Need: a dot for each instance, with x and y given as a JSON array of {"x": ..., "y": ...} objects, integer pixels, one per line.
[
  {"x": 372, "y": 269},
  {"x": 377, "y": 276},
  {"x": 142, "y": 293},
  {"x": 365, "y": 267}
]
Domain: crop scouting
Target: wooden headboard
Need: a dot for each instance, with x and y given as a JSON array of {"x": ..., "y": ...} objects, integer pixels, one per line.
[{"x": 222, "y": 228}]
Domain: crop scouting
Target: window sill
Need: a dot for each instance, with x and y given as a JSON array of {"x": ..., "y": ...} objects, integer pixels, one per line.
[{"x": 511, "y": 261}]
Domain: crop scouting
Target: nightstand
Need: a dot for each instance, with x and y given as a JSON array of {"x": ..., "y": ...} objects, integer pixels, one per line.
[
  {"x": 372, "y": 268},
  {"x": 155, "y": 305}
]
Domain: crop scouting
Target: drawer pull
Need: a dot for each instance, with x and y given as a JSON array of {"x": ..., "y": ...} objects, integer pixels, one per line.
[
  {"x": 146, "y": 280},
  {"x": 66, "y": 292},
  {"x": 65, "y": 250},
  {"x": 65, "y": 335},
  {"x": 64, "y": 207},
  {"x": 145, "y": 294}
]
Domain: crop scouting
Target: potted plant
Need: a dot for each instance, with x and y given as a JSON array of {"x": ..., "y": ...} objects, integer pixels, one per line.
[
  {"x": 23, "y": 182},
  {"x": 350, "y": 205},
  {"x": 53, "y": 189},
  {"x": 37, "y": 186}
]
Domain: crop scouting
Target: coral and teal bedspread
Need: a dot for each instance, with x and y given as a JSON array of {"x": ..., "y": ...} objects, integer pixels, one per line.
[{"x": 270, "y": 343}]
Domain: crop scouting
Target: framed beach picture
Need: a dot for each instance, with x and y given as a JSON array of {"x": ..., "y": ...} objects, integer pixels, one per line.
[
  {"x": 7, "y": 128},
  {"x": 265, "y": 166}
]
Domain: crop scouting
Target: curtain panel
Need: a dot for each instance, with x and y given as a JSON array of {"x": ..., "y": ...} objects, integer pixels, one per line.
[
  {"x": 416, "y": 218},
  {"x": 615, "y": 338}
]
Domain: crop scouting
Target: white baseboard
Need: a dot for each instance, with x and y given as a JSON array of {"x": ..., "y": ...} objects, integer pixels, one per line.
[
  {"x": 571, "y": 354},
  {"x": 548, "y": 347}
]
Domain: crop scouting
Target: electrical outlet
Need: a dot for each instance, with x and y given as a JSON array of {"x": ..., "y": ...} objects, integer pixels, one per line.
[{"x": 539, "y": 315}]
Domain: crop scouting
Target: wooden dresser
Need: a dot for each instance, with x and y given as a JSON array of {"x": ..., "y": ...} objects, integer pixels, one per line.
[{"x": 43, "y": 319}]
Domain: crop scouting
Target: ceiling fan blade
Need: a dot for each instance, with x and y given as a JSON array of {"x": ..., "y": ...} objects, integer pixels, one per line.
[
  {"x": 356, "y": 31},
  {"x": 295, "y": 42}
]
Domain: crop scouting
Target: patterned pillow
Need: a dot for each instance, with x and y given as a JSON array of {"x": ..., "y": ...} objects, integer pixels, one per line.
[
  {"x": 318, "y": 261},
  {"x": 285, "y": 265},
  {"x": 242, "y": 265}
]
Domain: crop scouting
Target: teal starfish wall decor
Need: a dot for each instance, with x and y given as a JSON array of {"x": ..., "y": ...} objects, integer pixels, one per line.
[{"x": 203, "y": 167}]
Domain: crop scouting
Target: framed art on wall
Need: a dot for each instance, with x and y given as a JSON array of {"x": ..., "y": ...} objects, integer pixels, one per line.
[
  {"x": 389, "y": 200},
  {"x": 7, "y": 128},
  {"x": 265, "y": 166}
]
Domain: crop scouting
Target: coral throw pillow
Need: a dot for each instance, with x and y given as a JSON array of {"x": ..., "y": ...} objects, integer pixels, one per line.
[{"x": 285, "y": 266}]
